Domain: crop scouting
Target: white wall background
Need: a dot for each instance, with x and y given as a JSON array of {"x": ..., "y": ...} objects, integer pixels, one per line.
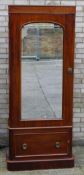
[{"x": 78, "y": 109}]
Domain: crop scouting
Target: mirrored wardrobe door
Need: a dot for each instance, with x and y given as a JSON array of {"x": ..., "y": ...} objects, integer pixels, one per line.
[{"x": 41, "y": 71}]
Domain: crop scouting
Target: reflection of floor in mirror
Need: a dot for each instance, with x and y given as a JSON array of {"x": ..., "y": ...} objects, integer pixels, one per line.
[{"x": 41, "y": 89}]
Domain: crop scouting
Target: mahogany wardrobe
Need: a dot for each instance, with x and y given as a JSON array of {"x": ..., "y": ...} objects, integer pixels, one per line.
[{"x": 41, "y": 69}]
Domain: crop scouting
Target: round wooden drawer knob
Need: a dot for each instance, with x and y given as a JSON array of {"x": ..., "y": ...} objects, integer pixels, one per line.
[
  {"x": 57, "y": 144},
  {"x": 24, "y": 146}
]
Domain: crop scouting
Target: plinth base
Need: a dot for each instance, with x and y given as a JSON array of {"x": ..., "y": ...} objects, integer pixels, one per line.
[{"x": 14, "y": 165}]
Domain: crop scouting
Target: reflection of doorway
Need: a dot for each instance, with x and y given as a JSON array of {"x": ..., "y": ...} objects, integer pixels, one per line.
[{"x": 42, "y": 41}]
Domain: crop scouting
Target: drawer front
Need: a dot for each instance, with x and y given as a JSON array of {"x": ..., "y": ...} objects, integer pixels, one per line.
[{"x": 41, "y": 144}]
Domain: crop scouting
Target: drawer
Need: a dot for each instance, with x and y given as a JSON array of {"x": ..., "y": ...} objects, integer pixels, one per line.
[{"x": 41, "y": 144}]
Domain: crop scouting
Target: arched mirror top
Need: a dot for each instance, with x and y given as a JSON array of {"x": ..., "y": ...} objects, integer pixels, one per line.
[{"x": 42, "y": 24}]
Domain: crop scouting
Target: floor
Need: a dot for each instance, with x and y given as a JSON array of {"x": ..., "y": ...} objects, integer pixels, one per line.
[
  {"x": 41, "y": 89},
  {"x": 77, "y": 170}
]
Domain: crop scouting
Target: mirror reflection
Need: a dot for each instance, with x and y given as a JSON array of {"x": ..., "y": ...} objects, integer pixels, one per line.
[{"x": 41, "y": 71}]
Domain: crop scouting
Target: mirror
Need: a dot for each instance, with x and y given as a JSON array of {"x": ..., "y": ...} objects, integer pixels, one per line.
[{"x": 41, "y": 71}]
